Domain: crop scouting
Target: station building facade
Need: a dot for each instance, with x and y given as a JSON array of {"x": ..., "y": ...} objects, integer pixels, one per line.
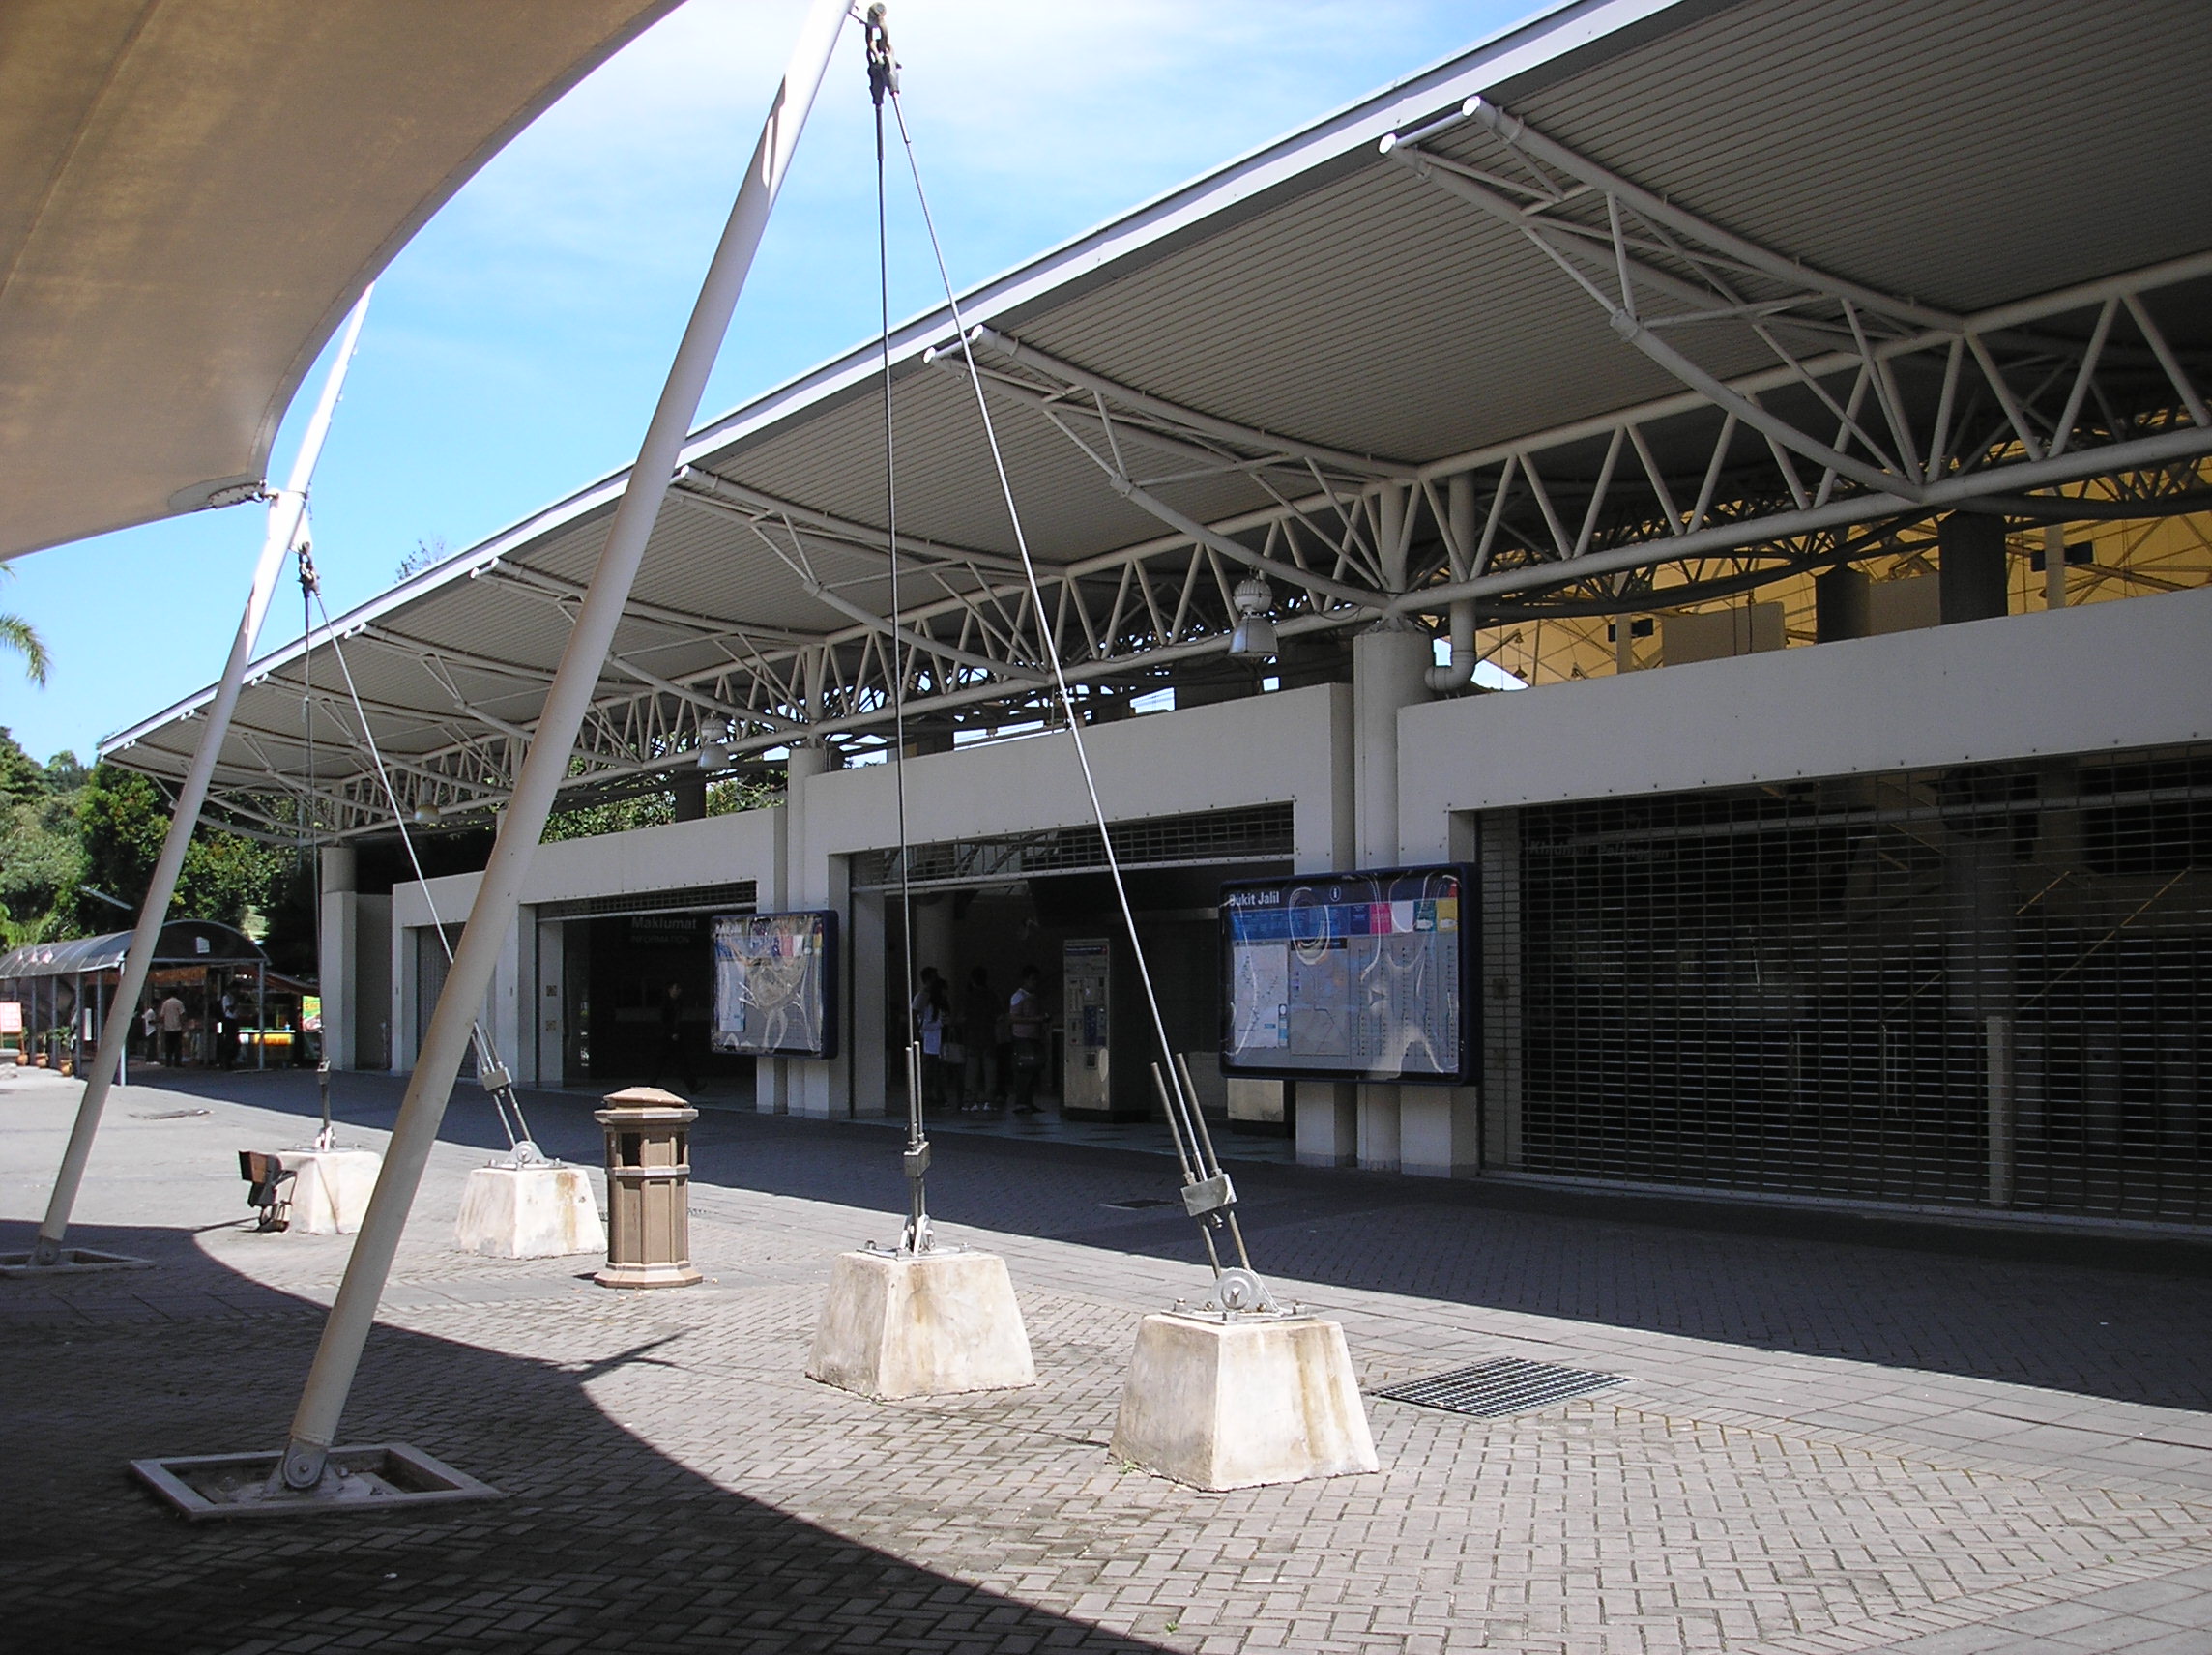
[
  {"x": 1824, "y": 453},
  {"x": 1922, "y": 917}
]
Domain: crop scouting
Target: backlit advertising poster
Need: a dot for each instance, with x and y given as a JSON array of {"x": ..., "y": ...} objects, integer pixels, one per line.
[
  {"x": 1348, "y": 976},
  {"x": 775, "y": 984}
]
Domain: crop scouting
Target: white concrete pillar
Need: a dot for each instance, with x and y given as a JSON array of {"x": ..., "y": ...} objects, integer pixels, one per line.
[
  {"x": 549, "y": 1009},
  {"x": 1389, "y": 672},
  {"x": 1329, "y": 1123},
  {"x": 334, "y": 965},
  {"x": 781, "y": 1081},
  {"x": 401, "y": 941},
  {"x": 1379, "y": 1127},
  {"x": 865, "y": 992},
  {"x": 1439, "y": 1132},
  {"x": 822, "y": 1088},
  {"x": 506, "y": 1005}
]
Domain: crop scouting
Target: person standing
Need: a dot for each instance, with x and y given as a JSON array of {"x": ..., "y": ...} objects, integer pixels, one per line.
[
  {"x": 672, "y": 1052},
  {"x": 226, "y": 1031},
  {"x": 1025, "y": 1011},
  {"x": 149, "y": 1023},
  {"x": 921, "y": 1001},
  {"x": 930, "y": 1026},
  {"x": 979, "y": 1036},
  {"x": 172, "y": 1032}
]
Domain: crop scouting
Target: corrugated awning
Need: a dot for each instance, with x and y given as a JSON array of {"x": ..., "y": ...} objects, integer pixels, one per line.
[
  {"x": 193, "y": 192},
  {"x": 183, "y": 942},
  {"x": 1386, "y": 362}
]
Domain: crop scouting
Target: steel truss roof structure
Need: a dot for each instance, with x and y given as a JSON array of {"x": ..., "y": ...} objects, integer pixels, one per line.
[{"x": 1638, "y": 299}]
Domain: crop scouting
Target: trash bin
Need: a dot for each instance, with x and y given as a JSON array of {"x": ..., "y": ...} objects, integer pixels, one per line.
[{"x": 649, "y": 1189}]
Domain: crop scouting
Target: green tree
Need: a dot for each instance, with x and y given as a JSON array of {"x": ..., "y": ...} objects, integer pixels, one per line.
[
  {"x": 20, "y": 777},
  {"x": 19, "y": 635},
  {"x": 40, "y": 859},
  {"x": 122, "y": 820}
]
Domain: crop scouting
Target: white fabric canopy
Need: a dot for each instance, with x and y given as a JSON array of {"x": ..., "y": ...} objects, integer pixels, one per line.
[{"x": 191, "y": 195}]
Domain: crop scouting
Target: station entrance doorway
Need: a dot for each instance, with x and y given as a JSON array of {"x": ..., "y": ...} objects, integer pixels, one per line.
[
  {"x": 1001, "y": 906},
  {"x": 605, "y": 968}
]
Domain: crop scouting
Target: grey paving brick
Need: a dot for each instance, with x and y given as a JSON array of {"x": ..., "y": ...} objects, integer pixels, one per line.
[{"x": 1774, "y": 1482}]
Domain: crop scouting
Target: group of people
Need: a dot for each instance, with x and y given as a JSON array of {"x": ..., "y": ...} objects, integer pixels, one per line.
[
  {"x": 985, "y": 1054},
  {"x": 165, "y": 1024}
]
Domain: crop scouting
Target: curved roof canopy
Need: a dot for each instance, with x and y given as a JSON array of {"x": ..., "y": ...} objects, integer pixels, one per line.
[
  {"x": 1707, "y": 293},
  {"x": 183, "y": 942},
  {"x": 193, "y": 193}
]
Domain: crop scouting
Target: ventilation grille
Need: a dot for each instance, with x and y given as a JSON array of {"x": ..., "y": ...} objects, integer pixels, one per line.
[{"x": 1505, "y": 1384}]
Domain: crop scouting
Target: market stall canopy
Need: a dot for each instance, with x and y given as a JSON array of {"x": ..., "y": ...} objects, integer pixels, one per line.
[
  {"x": 193, "y": 192},
  {"x": 183, "y": 943}
]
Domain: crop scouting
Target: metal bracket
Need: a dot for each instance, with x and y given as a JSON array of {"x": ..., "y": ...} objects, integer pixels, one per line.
[
  {"x": 1240, "y": 1291},
  {"x": 1208, "y": 1195},
  {"x": 915, "y": 1160}
]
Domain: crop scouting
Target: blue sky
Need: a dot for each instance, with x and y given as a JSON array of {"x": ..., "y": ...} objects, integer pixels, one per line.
[{"x": 514, "y": 348}]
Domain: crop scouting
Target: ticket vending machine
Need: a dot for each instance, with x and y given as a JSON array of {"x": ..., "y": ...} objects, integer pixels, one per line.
[{"x": 1087, "y": 1022}]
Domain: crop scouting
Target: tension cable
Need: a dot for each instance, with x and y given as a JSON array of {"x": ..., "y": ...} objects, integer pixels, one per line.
[
  {"x": 491, "y": 1074},
  {"x": 1207, "y": 1194}
]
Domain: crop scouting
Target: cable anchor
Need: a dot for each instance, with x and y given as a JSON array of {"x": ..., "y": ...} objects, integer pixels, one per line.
[{"x": 883, "y": 65}]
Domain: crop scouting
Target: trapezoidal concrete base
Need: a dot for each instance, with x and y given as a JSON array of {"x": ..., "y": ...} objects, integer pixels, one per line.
[
  {"x": 1231, "y": 1404},
  {"x": 73, "y": 1262},
  {"x": 920, "y": 1324},
  {"x": 528, "y": 1212},
  {"x": 383, "y": 1476},
  {"x": 330, "y": 1188}
]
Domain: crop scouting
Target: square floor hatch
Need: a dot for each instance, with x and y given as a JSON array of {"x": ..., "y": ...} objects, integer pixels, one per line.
[{"x": 1505, "y": 1384}]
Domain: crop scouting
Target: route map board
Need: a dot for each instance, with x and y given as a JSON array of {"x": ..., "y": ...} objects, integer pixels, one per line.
[
  {"x": 775, "y": 984},
  {"x": 1348, "y": 977}
]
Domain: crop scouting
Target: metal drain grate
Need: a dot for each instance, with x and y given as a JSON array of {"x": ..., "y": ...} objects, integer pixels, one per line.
[
  {"x": 1505, "y": 1384},
  {"x": 1137, "y": 1202}
]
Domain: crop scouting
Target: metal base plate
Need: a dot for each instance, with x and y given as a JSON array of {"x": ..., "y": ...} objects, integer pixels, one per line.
[
  {"x": 381, "y": 1476},
  {"x": 73, "y": 1262}
]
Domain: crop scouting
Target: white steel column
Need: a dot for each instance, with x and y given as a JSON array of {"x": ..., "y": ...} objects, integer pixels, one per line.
[
  {"x": 285, "y": 513},
  {"x": 314, "y": 1427}
]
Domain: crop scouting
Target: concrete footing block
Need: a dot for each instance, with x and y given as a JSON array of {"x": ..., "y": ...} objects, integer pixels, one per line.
[
  {"x": 528, "y": 1212},
  {"x": 1232, "y": 1403},
  {"x": 920, "y": 1324},
  {"x": 330, "y": 1188}
]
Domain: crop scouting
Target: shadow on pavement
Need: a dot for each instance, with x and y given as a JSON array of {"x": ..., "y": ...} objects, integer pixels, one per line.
[
  {"x": 2098, "y": 1315},
  {"x": 603, "y": 1542}
]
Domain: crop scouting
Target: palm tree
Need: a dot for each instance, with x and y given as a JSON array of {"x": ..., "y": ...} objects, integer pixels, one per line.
[{"x": 19, "y": 635}]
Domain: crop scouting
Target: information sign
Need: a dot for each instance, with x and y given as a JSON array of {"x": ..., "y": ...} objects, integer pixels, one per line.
[
  {"x": 1348, "y": 976},
  {"x": 775, "y": 977}
]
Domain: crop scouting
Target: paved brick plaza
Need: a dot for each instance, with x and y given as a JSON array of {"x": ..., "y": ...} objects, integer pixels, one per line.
[{"x": 1838, "y": 1434}]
